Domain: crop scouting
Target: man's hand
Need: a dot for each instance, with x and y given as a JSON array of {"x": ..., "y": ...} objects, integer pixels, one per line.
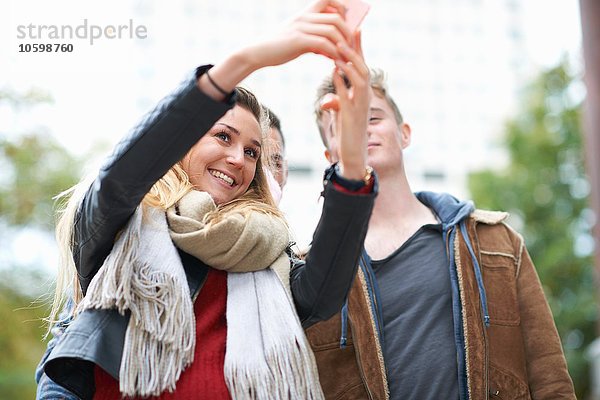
[{"x": 353, "y": 116}]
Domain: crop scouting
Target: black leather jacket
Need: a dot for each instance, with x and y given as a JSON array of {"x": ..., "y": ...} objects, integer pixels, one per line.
[{"x": 162, "y": 138}]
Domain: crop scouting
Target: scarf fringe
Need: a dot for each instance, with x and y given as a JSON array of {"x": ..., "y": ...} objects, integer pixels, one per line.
[
  {"x": 161, "y": 330},
  {"x": 249, "y": 382},
  {"x": 267, "y": 356},
  {"x": 287, "y": 350},
  {"x": 159, "y": 367},
  {"x": 286, "y": 368},
  {"x": 293, "y": 373}
]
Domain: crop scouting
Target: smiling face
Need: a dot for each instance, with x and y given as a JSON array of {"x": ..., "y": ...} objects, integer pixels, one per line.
[
  {"x": 223, "y": 162},
  {"x": 386, "y": 137}
]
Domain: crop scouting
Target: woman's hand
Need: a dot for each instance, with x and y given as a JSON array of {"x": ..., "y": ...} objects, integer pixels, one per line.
[
  {"x": 319, "y": 29},
  {"x": 353, "y": 115}
]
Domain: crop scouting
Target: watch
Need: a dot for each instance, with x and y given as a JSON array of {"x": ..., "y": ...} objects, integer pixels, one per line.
[{"x": 351, "y": 184}]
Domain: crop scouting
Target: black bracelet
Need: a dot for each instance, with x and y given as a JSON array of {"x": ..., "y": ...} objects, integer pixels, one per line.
[{"x": 219, "y": 88}]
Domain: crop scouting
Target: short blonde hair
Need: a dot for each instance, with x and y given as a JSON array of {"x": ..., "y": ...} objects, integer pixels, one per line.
[{"x": 379, "y": 85}]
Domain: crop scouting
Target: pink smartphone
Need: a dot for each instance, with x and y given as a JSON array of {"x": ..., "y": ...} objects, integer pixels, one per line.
[{"x": 356, "y": 10}]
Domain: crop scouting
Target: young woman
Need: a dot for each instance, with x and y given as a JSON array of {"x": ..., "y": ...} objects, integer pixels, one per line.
[{"x": 176, "y": 252}]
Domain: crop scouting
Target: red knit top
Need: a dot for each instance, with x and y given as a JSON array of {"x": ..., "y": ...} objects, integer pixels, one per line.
[{"x": 204, "y": 378}]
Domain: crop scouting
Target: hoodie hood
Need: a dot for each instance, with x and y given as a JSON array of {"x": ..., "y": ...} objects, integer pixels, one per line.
[{"x": 448, "y": 208}]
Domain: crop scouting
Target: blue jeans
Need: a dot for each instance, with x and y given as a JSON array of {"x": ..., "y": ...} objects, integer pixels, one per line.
[{"x": 47, "y": 389}]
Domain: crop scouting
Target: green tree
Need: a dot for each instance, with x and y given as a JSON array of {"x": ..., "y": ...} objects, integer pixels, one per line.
[
  {"x": 545, "y": 188},
  {"x": 34, "y": 169},
  {"x": 20, "y": 336}
]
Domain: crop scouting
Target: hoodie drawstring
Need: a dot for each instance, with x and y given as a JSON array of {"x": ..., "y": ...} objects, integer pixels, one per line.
[{"x": 478, "y": 277}]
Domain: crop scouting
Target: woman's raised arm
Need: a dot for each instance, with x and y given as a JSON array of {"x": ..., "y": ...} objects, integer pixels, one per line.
[{"x": 319, "y": 29}]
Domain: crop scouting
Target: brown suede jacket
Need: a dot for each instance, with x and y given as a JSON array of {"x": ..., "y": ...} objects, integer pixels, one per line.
[{"x": 518, "y": 356}]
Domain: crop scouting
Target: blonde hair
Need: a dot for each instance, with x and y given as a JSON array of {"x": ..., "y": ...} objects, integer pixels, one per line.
[
  {"x": 378, "y": 84},
  {"x": 165, "y": 193},
  {"x": 67, "y": 278}
]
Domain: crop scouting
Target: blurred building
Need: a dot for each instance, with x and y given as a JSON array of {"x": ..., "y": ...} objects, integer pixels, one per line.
[{"x": 454, "y": 67}]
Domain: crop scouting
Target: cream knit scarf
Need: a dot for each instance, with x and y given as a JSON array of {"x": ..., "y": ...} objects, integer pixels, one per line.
[{"x": 267, "y": 355}]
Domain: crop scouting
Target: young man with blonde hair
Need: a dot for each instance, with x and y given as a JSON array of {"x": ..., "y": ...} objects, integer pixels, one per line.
[{"x": 446, "y": 302}]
